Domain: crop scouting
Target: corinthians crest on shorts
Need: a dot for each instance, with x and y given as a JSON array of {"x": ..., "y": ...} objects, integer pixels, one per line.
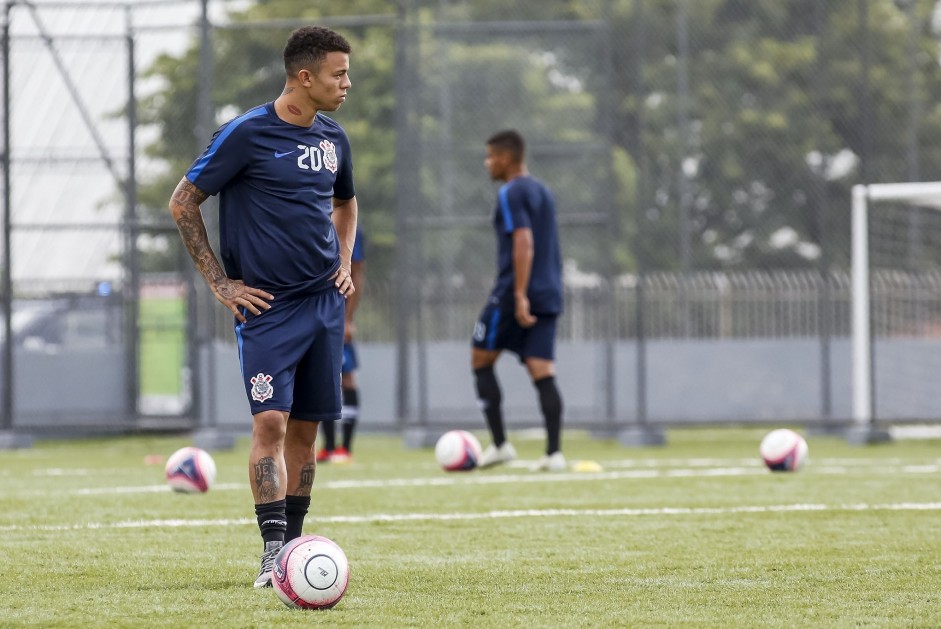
[
  {"x": 329, "y": 155},
  {"x": 261, "y": 387}
]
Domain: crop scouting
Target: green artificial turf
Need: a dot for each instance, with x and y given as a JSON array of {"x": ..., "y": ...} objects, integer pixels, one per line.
[{"x": 694, "y": 534}]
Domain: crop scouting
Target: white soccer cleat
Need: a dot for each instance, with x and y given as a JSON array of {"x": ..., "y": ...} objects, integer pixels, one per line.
[
  {"x": 554, "y": 462},
  {"x": 494, "y": 455},
  {"x": 267, "y": 563}
]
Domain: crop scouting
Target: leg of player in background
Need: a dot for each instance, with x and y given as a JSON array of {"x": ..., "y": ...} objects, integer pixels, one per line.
[
  {"x": 350, "y": 409},
  {"x": 301, "y": 467},
  {"x": 329, "y": 441},
  {"x": 490, "y": 399},
  {"x": 542, "y": 372},
  {"x": 268, "y": 478}
]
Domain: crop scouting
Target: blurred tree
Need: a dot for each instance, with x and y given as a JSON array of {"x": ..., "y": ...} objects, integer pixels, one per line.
[
  {"x": 775, "y": 133},
  {"x": 776, "y": 123}
]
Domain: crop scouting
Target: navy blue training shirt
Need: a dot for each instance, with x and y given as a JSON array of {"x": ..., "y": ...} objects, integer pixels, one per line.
[
  {"x": 276, "y": 182},
  {"x": 527, "y": 202}
]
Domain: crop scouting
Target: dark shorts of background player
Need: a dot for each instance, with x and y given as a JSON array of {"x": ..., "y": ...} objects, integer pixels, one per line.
[
  {"x": 498, "y": 329},
  {"x": 350, "y": 362},
  {"x": 291, "y": 356}
]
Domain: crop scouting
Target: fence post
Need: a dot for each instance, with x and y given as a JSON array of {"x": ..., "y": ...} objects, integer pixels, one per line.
[
  {"x": 207, "y": 436},
  {"x": 131, "y": 292},
  {"x": 640, "y": 432},
  {"x": 8, "y": 439}
]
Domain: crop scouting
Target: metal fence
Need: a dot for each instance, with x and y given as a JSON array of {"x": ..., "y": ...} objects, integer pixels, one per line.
[{"x": 701, "y": 152}]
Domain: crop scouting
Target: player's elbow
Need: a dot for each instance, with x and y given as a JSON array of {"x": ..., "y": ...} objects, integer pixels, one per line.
[{"x": 175, "y": 210}]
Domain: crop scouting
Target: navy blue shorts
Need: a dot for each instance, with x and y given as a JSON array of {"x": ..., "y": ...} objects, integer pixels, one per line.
[
  {"x": 291, "y": 356},
  {"x": 350, "y": 363},
  {"x": 498, "y": 330}
]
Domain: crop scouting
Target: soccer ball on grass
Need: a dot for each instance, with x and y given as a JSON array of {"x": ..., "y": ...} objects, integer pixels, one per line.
[
  {"x": 190, "y": 470},
  {"x": 310, "y": 572},
  {"x": 457, "y": 451},
  {"x": 783, "y": 450}
]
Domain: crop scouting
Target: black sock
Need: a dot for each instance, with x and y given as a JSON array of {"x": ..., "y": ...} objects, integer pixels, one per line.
[
  {"x": 350, "y": 416},
  {"x": 550, "y": 401},
  {"x": 295, "y": 508},
  {"x": 329, "y": 435},
  {"x": 490, "y": 398},
  {"x": 272, "y": 520}
]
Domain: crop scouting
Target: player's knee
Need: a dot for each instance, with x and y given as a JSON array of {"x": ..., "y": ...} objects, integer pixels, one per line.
[
  {"x": 482, "y": 358},
  {"x": 269, "y": 427},
  {"x": 540, "y": 369}
]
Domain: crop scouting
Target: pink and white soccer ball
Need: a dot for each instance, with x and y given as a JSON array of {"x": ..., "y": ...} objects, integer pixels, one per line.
[
  {"x": 783, "y": 450},
  {"x": 191, "y": 470},
  {"x": 457, "y": 451},
  {"x": 310, "y": 572}
]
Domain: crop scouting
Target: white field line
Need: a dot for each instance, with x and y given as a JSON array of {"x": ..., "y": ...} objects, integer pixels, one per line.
[
  {"x": 460, "y": 479},
  {"x": 750, "y": 462},
  {"x": 492, "y": 515},
  {"x": 488, "y": 479}
]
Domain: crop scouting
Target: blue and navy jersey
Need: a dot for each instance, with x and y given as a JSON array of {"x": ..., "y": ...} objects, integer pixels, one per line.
[
  {"x": 359, "y": 246},
  {"x": 276, "y": 183},
  {"x": 527, "y": 202}
]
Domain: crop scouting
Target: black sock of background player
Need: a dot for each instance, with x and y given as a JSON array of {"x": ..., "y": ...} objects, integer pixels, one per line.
[
  {"x": 350, "y": 416},
  {"x": 329, "y": 435},
  {"x": 296, "y": 509},
  {"x": 490, "y": 398},
  {"x": 272, "y": 521},
  {"x": 550, "y": 401}
]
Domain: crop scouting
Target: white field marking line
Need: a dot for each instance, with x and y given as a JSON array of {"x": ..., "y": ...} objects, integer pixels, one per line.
[
  {"x": 448, "y": 481},
  {"x": 749, "y": 462},
  {"x": 482, "y": 479},
  {"x": 492, "y": 515},
  {"x": 147, "y": 489}
]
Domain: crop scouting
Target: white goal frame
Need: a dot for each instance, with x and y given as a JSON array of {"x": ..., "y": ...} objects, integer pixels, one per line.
[{"x": 926, "y": 194}]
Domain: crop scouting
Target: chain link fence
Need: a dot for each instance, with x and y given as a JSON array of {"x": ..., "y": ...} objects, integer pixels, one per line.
[{"x": 702, "y": 154}]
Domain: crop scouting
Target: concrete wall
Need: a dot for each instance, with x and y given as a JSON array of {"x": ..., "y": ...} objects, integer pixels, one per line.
[
  {"x": 773, "y": 380},
  {"x": 687, "y": 381},
  {"x": 70, "y": 389}
]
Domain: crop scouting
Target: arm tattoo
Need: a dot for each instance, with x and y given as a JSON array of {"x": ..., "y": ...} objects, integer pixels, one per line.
[
  {"x": 266, "y": 480},
  {"x": 307, "y": 480},
  {"x": 189, "y": 220}
]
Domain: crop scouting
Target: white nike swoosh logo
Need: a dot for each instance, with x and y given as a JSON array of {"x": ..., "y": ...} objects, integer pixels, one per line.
[{"x": 278, "y": 155}]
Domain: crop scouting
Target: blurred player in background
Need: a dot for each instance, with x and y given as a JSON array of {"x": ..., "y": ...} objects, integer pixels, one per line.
[
  {"x": 284, "y": 175},
  {"x": 329, "y": 452},
  {"x": 521, "y": 312}
]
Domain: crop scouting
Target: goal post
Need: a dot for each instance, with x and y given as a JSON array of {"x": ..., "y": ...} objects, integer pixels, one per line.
[{"x": 924, "y": 195}]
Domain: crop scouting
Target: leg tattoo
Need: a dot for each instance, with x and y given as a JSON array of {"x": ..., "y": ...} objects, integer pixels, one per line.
[
  {"x": 307, "y": 480},
  {"x": 266, "y": 480}
]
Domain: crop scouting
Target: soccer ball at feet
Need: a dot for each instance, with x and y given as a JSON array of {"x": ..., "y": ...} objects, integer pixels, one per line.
[
  {"x": 783, "y": 450},
  {"x": 191, "y": 470},
  {"x": 310, "y": 572},
  {"x": 457, "y": 450}
]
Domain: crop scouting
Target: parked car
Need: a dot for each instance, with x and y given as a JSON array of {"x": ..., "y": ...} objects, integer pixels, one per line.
[{"x": 72, "y": 321}]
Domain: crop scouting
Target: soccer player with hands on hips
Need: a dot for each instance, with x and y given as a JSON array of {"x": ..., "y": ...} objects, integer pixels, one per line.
[
  {"x": 287, "y": 221},
  {"x": 526, "y": 300},
  {"x": 330, "y": 453}
]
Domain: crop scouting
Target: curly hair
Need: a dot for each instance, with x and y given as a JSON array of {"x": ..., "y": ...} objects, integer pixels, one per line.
[{"x": 308, "y": 46}]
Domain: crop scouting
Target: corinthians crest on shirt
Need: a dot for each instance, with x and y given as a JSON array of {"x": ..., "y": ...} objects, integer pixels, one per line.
[
  {"x": 329, "y": 155},
  {"x": 261, "y": 387}
]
